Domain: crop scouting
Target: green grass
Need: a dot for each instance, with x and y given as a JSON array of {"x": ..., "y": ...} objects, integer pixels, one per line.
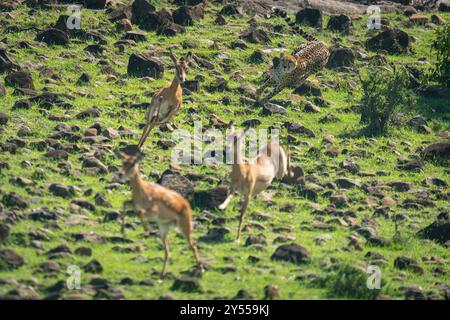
[{"x": 109, "y": 96}]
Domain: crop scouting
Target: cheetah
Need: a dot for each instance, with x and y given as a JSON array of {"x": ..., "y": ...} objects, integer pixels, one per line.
[{"x": 292, "y": 70}]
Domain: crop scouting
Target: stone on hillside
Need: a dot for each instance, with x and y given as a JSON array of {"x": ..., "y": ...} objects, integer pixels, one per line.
[
  {"x": 254, "y": 35},
  {"x": 142, "y": 65},
  {"x": 3, "y": 119},
  {"x": 291, "y": 253},
  {"x": 271, "y": 108},
  {"x": 53, "y": 36},
  {"x": 438, "y": 231},
  {"x": 310, "y": 17},
  {"x": 140, "y": 9},
  {"x": 20, "y": 79},
  {"x": 340, "y": 23},
  {"x": 95, "y": 4},
  {"x": 341, "y": 57},
  {"x": 186, "y": 284},
  {"x": 177, "y": 182},
  {"x": 210, "y": 198},
  {"x": 5, "y": 61},
  {"x": 308, "y": 89},
  {"x": 230, "y": 10},
  {"x": 391, "y": 40},
  {"x": 155, "y": 21},
  {"x": 93, "y": 266},
  {"x": 185, "y": 15},
  {"x": 437, "y": 150},
  {"x": 4, "y": 232},
  {"x": 9, "y": 259}
]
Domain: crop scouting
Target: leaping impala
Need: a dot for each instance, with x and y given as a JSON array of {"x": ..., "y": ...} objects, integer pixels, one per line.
[
  {"x": 250, "y": 178},
  {"x": 166, "y": 101},
  {"x": 157, "y": 203}
]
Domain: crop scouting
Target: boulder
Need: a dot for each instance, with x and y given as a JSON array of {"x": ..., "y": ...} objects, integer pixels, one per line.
[
  {"x": 310, "y": 17},
  {"x": 143, "y": 65},
  {"x": 53, "y": 36},
  {"x": 392, "y": 40},
  {"x": 340, "y": 23},
  {"x": 341, "y": 57},
  {"x": 292, "y": 253}
]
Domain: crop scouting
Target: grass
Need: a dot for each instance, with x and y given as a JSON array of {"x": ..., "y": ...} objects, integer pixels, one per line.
[{"x": 113, "y": 98}]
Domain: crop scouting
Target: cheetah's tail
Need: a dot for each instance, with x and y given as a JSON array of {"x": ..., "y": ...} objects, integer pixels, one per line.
[{"x": 283, "y": 14}]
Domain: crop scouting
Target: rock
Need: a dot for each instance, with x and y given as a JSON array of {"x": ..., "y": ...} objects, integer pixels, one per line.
[
  {"x": 414, "y": 292},
  {"x": 339, "y": 200},
  {"x": 438, "y": 231},
  {"x": 243, "y": 295},
  {"x": 340, "y": 23},
  {"x": 155, "y": 21},
  {"x": 142, "y": 65},
  {"x": 347, "y": 183},
  {"x": 60, "y": 190},
  {"x": 185, "y": 15},
  {"x": 258, "y": 240},
  {"x": 437, "y": 150},
  {"x": 3, "y": 119},
  {"x": 254, "y": 35},
  {"x": 230, "y": 10},
  {"x": 400, "y": 186},
  {"x": 417, "y": 121},
  {"x": 6, "y": 63},
  {"x": 418, "y": 19},
  {"x": 22, "y": 104},
  {"x": 95, "y": 4},
  {"x": 433, "y": 181},
  {"x": 186, "y": 284},
  {"x": 192, "y": 85},
  {"x": 310, "y": 107},
  {"x": 13, "y": 200},
  {"x": 210, "y": 198},
  {"x": 220, "y": 20},
  {"x": 391, "y": 40},
  {"x": 57, "y": 154},
  {"x": 341, "y": 57},
  {"x": 216, "y": 234},
  {"x": 177, "y": 182},
  {"x": 9, "y": 259},
  {"x": 437, "y": 19},
  {"x": 378, "y": 241},
  {"x": 20, "y": 79},
  {"x": 22, "y": 293},
  {"x": 53, "y": 36},
  {"x": 367, "y": 232},
  {"x": 93, "y": 266},
  {"x": 300, "y": 129},
  {"x": 83, "y": 251},
  {"x": 271, "y": 108},
  {"x": 84, "y": 78},
  {"x": 271, "y": 292},
  {"x": 435, "y": 92},
  {"x": 84, "y": 204},
  {"x": 291, "y": 253},
  {"x": 4, "y": 232},
  {"x": 170, "y": 30},
  {"x": 405, "y": 263},
  {"x": 141, "y": 9},
  {"x": 49, "y": 268},
  {"x": 349, "y": 166},
  {"x": 308, "y": 89},
  {"x": 90, "y": 112},
  {"x": 310, "y": 17},
  {"x": 444, "y": 7}
]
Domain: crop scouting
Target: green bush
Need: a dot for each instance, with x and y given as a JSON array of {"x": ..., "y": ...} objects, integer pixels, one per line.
[
  {"x": 384, "y": 92},
  {"x": 441, "y": 46}
]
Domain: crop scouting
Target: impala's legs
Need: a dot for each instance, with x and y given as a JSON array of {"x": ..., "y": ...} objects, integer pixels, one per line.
[
  {"x": 148, "y": 127},
  {"x": 244, "y": 209},
  {"x": 185, "y": 225},
  {"x": 225, "y": 204},
  {"x": 163, "y": 230}
]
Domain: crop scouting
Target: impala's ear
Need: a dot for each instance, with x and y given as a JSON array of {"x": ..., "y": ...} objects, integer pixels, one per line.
[
  {"x": 188, "y": 57},
  {"x": 232, "y": 126},
  {"x": 173, "y": 56}
]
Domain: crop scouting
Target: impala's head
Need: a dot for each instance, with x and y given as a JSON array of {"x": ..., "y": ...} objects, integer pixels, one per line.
[
  {"x": 181, "y": 65},
  {"x": 129, "y": 164},
  {"x": 235, "y": 138}
]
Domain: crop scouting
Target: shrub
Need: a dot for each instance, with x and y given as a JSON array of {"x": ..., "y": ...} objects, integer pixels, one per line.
[
  {"x": 348, "y": 282},
  {"x": 384, "y": 91},
  {"x": 441, "y": 46}
]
